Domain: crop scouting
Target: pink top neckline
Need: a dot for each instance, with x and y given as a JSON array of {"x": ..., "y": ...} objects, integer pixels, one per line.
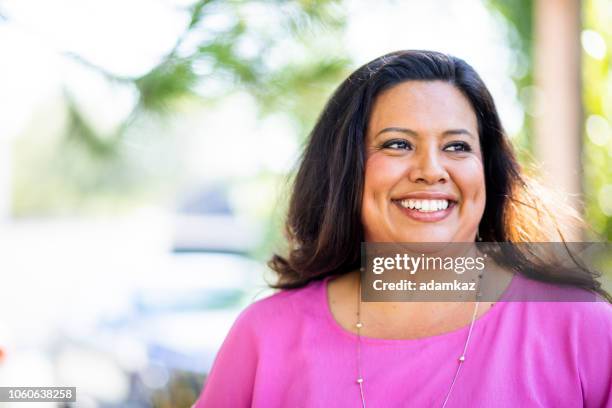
[{"x": 329, "y": 317}]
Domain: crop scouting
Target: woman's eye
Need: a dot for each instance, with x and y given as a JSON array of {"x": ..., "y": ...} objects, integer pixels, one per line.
[
  {"x": 397, "y": 145},
  {"x": 458, "y": 147}
]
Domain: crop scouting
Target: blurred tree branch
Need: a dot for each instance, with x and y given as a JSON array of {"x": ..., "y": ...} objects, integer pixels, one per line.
[
  {"x": 279, "y": 52},
  {"x": 175, "y": 77}
]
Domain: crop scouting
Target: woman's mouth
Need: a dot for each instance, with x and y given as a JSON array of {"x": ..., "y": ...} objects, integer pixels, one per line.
[{"x": 426, "y": 210}]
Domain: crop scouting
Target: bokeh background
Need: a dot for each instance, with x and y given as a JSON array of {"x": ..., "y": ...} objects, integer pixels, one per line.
[{"x": 147, "y": 146}]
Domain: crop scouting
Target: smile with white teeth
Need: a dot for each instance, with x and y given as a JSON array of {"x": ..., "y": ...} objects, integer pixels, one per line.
[{"x": 425, "y": 205}]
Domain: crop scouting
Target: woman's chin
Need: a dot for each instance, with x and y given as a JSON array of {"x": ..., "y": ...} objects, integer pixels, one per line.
[
  {"x": 414, "y": 240},
  {"x": 430, "y": 240}
]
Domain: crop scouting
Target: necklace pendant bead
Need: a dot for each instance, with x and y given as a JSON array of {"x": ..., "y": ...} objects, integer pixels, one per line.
[
  {"x": 462, "y": 359},
  {"x": 359, "y": 325},
  {"x": 359, "y": 380}
]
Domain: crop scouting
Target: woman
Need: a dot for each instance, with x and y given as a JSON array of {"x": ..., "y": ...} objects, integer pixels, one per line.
[{"x": 410, "y": 149}]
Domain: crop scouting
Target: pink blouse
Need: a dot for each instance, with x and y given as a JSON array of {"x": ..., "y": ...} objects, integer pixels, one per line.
[{"x": 287, "y": 350}]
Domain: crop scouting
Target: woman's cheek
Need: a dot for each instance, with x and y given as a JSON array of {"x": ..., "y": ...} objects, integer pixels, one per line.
[
  {"x": 469, "y": 178},
  {"x": 382, "y": 169}
]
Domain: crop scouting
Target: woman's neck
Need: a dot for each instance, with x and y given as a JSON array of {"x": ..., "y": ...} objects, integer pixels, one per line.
[{"x": 396, "y": 320}]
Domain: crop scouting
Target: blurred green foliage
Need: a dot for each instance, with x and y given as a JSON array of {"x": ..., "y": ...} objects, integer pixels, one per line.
[
  {"x": 227, "y": 46},
  {"x": 597, "y": 100},
  {"x": 518, "y": 19}
]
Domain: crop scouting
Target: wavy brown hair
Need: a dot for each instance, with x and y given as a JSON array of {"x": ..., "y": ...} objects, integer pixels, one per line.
[{"x": 323, "y": 227}]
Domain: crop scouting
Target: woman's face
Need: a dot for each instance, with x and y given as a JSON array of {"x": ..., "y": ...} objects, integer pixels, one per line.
[{"x": 424, "y": 178}]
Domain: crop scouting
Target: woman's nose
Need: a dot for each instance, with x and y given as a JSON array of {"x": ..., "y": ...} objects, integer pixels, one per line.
[{"x": 426, "y": 167}]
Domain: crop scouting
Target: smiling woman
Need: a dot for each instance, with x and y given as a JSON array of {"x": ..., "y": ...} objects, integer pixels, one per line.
[
  {"x": 410, "y": 149},
  {"x": 424, "y": 180}
]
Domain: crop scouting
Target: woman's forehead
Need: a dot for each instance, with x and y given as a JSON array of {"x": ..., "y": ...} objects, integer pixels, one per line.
[{"x": 423, "y": 106}]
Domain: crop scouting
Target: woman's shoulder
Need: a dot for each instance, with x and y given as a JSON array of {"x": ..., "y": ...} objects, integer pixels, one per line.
[
  {"x": 527, "y": 289},
  {"x": 566, "y": 306},
  {"x": 285, "y": 305},
  {"x": 570, "y": 341}
]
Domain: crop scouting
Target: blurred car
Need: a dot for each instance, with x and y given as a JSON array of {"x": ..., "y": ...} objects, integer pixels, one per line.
[
  {"x": 183, "y": 314},
  {"x": 175, "y": 309},
  {"x": 176, "y": 323}
]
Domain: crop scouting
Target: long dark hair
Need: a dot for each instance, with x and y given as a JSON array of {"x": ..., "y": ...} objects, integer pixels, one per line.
[{"x": 323, "y": 226}]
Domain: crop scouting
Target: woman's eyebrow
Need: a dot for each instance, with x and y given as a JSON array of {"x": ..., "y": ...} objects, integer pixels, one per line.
[
  {"x": 398, "y": 129},
  {"x": 458, "y": 132},
  {"x": 416, "y": 134}
]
